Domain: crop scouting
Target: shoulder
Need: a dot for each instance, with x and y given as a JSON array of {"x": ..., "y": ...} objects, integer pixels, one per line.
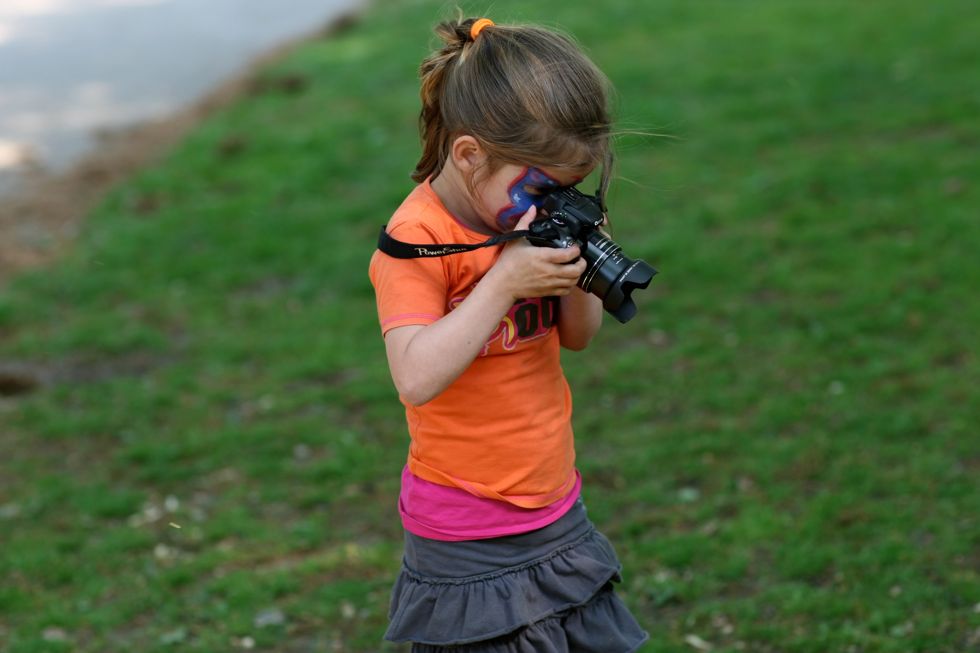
[{"x": 420, "y": 219}]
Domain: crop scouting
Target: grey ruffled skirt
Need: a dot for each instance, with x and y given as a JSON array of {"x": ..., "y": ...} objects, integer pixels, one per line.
[{"x": 547, "y": 591}]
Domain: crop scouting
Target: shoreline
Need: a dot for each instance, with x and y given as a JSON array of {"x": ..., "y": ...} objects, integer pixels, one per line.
[{"x": 40, "y": 220}]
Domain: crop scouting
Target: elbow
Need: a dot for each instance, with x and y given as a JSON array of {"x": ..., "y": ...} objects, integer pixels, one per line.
[
  {"x": 578, "y": 336},
  {"x": 415, "y": 400},
  {"x": 576, "y": 345},
  {"x": 415, "y": 394},
  {"x": 578, "y": 342},
  {"x": 415, "y": 388}
]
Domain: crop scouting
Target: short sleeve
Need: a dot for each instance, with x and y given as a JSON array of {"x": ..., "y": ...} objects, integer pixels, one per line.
[{"x": 408, "y": 291}]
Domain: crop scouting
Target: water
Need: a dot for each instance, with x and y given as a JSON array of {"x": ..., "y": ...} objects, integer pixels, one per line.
[{"x": 71, "y": 68}]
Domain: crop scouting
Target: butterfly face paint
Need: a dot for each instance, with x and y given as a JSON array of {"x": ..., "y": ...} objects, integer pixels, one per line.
[{"x": 527, "y": 190}]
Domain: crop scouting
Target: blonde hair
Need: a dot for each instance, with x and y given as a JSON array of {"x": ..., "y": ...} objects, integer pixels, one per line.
[{"x": 529, "y": 95}]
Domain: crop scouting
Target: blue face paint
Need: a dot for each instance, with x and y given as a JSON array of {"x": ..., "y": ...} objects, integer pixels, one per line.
[{"x": 521, "y": 199}]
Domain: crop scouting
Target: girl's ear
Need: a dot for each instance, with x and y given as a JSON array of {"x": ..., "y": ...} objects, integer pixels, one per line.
[{"x": 467, "y": 154}]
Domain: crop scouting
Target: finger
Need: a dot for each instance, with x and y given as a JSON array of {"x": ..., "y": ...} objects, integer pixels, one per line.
[
  {"x": 572, "y": 272},
  {"x": 527, "y": 218},
  {"x": 565, "y": 254}
]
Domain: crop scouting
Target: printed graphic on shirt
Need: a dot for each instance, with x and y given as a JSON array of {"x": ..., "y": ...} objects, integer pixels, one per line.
[{"x": 527, "y": 319}]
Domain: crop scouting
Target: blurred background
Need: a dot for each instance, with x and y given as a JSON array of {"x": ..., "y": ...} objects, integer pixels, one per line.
[
  {"x": 200, "y": 444},
  {"x": 70, "y": 69},
  {"x": 92, "y": 89}
]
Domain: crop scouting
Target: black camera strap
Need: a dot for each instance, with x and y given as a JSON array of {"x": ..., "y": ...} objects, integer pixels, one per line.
[{"x": 399, "y": 249}]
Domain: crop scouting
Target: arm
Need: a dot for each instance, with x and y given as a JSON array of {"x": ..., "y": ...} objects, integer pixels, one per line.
[
  {"x": 425, "y": 360},
  {"x": 579, "y": 318}
]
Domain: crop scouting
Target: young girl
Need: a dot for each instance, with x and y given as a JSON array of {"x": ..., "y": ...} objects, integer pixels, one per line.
[{"x": 499, "y": 552}]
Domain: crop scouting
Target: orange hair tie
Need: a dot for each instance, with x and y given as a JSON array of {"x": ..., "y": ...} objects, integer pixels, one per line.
[{"x": 478, "y": 26}]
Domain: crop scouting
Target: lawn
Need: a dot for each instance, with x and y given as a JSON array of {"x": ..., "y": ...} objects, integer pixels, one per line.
[{"x": 782, "y": 444}]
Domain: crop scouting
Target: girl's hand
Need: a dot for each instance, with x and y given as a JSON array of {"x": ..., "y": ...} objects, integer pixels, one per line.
[{"x": 524, "y": 270}]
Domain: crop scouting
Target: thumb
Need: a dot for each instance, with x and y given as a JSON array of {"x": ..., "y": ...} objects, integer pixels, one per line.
[{"x": 527, "y": 218}]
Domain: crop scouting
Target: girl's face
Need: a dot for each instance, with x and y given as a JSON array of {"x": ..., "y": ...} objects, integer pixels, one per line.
[{"x": 509, "y": 192}]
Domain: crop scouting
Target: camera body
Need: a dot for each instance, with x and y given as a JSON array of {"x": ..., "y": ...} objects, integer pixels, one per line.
[{"x": 573, "y": 218}]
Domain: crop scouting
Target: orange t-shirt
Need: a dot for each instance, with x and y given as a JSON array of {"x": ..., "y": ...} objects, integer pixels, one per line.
[{"x": 501, "y": 430}]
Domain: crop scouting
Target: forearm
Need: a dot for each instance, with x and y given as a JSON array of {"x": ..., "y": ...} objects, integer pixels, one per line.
[
  {"x": 424, "y": 361},
  {"x": 436, "y": 355},
  {"x": 579, "y": 319}
]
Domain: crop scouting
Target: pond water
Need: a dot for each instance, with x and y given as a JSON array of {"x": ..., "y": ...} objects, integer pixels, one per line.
[{"x": 70, "y": 68}]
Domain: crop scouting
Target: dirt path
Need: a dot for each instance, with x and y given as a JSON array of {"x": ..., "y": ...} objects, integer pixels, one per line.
[{"x": 39, "y": 221}]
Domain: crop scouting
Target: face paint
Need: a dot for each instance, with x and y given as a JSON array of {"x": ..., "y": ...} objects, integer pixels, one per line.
[{"x": 521, "y": 199}]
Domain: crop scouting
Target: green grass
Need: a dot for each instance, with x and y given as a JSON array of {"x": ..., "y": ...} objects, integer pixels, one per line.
[{"x": 782, "y": 445}]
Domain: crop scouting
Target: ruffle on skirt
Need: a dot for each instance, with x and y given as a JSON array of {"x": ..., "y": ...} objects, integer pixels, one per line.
[
  {"x": 558, "y": 602},
  {"x": 603, "y": 625}
]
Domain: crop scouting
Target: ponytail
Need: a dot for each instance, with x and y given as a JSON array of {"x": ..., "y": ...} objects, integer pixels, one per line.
[{"x": 436, "y": 136}]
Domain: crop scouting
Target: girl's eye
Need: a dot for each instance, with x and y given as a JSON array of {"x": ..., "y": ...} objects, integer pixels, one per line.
[{"x": 535, "y": 190}]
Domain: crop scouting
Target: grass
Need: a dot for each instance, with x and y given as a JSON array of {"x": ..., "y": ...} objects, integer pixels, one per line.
[{"x": 782, "y": 444}]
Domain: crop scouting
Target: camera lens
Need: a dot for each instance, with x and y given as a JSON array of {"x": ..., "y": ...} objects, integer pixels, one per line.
[{"x": 612, "y": 276}]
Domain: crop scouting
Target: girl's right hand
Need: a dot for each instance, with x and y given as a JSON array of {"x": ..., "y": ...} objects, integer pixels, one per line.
[{"x": 524, "y": 270}]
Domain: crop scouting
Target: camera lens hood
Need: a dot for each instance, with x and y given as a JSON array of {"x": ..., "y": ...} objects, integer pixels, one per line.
[{"x": 618, "y": 300}]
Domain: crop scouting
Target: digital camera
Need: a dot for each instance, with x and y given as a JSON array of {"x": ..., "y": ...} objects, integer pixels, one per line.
[{"x": 570, "y": 217}]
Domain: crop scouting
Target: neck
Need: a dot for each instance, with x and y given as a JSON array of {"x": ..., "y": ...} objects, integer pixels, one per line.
[{"x": 451, "y": 190}]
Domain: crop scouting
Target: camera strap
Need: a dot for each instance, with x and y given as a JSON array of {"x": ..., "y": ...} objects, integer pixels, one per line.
[{"x": 399, "y": 249}]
